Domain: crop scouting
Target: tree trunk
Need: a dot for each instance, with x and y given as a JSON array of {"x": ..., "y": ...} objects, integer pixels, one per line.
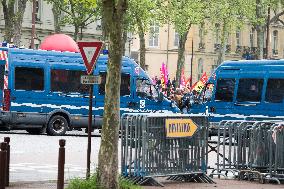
[
  {"x": 124, "y": 38},
  {"x": 180, "y": 61},
  {"x": 113, "y": 14},
  {"x": 76, "y": 31},
  {"x": 260, "y": 42},
  {"x": 141, "y": 34},
  {"x": 222, "y": 52},
  {"x": 8, "y": 10},
  {"x": 142, "y": 49},
  {"x": 18, "y": 22},
  {"x": 81, "y": 33},
  {"x": 260, "y": 14},
  {"x": 56, "y": 16}
]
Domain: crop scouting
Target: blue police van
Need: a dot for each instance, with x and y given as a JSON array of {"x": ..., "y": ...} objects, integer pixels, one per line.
[
  {"x": 43, "y": 91},
  {"x": 246, "y": 89}
]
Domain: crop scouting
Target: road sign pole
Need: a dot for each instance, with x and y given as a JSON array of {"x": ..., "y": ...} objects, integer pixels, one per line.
[
  {"x": 89, "y": 131},
  {"x": 90, "y": 52}
]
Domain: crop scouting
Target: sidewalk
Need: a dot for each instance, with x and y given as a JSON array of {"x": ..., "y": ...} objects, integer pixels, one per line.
[
  {"x": 220, "y": 184},
  {"x": 33, "y": 185}
]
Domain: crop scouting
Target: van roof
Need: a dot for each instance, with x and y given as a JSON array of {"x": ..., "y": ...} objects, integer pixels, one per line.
[
  {"x": 251, "y": 63},
  {"x": 65, "y": 57}
]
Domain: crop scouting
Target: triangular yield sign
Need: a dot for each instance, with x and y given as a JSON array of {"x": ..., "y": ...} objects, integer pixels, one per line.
[{"x": 90, "y": 52}]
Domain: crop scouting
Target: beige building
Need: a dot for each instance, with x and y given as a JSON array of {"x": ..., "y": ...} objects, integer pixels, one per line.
[
  {"x": 162, "y": 42},
  {"x": 45, "y": 24}
]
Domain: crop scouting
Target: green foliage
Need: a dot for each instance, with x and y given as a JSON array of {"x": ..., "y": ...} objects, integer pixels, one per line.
[
  {"x": 139, "y": 15},
  {"x": 230, "y": 15},
  {"x": 78, "y": 13},
  {"x": 92, "y": 183},
  {"x": 185, "y": 13},
  {"x": 182, "y": 13}
]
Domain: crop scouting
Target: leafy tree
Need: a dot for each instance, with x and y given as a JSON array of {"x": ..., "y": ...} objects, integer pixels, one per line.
[
  {"x": 227, "y": 16},
  {"x": 262, "y": 20},
  {"x": 79, "y": 13},
  {"x": 139, "y": 16},
  {"x": 57, "y": 17},
  {"x": 182, "y": 14},
  {"x": 113, "y": 13},
  {"x": 13, "y": 20}
]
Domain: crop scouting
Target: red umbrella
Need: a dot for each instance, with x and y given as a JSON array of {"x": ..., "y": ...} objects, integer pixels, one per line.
[{"x": 59, "y": 42}]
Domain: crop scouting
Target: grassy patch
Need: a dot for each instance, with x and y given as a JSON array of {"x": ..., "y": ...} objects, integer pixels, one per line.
[{"x": 92, "y": 183}]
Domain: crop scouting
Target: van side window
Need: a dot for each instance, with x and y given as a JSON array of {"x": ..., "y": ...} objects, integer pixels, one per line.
[
  {"x": 225, "y": 90},
  {"x": 68, "y": 81},
  {"x": 275, "y": 91},
  {"x": 2, "y": 70},
  {"x": 29, "y": 79},
  {"x": 124, "y": 85},
  {"x": 249, "y": 90}
]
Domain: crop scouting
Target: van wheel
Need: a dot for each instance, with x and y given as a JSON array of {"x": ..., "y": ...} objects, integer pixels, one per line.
[
  {"x": 57, "y": 125},
  {"x": 35, "y": 131}
]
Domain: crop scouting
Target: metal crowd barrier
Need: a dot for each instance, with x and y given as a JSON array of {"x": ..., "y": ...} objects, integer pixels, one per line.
[
  {"x": 250, "y": 150},
  {"x": 147, "y": 152}
]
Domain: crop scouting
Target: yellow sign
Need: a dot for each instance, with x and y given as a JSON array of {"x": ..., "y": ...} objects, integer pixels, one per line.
[{"x": 180, "y": 128}]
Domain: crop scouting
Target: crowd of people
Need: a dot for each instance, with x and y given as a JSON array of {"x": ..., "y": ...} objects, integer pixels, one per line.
[{"x": 183, "y": 96}]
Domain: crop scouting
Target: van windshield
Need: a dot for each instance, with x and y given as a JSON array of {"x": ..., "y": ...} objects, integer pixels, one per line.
[{"x": 145, "y": 89}]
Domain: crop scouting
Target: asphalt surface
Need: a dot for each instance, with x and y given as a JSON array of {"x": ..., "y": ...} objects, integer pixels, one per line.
[{"x": 35, "y": 157}]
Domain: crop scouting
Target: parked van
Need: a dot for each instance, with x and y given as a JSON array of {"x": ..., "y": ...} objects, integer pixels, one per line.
[
  {"x": 247, "y": 89},
  {"x": 43, "y": 91}
]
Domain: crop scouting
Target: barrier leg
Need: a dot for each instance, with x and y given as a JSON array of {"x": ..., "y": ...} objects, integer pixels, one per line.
[
  {"x": 3, "y": 157},
  {"x": 61, "y": 163},
  {"x": 7, "y": 140}
]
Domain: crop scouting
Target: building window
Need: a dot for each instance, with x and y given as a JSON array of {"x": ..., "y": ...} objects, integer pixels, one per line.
[
  {"x": 154, "y": 35},
  {"x": 201, "y": 38},
  {"x": 176, "y": 42},
  {"x": 275, "y": 42},
  {"x": 38, "y": 10},
  {"x": 238, "y": 38},
  {"x": 200, "y": 68},
  {"x": 251, "y": 37}
]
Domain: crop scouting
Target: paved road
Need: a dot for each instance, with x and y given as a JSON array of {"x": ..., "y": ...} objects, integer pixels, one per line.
[{"x": 34, "y": 157}]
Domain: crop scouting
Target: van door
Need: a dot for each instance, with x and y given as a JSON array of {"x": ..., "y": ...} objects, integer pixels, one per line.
[
  {"x": 146, "y": 96},
  {"x": 126, "y": 97},
  {"x": 221, "y": 106},
  {"x": 67, "y": 93},
  {"x": 28, "y": 93},
  {"x": 249, "y": 95},
  {"x": 274, "y": 96}
]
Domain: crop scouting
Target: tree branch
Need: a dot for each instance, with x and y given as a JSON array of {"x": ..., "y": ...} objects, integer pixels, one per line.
[{"x": 276, "y": 17}]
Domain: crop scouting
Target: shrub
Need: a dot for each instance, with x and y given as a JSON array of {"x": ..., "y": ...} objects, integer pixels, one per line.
[{"x": 91, "y": 183}]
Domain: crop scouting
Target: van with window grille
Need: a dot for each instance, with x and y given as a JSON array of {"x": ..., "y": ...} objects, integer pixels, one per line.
[
  {"x": 246, "y": 89},
  {"x": 42, "y": 91}
]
